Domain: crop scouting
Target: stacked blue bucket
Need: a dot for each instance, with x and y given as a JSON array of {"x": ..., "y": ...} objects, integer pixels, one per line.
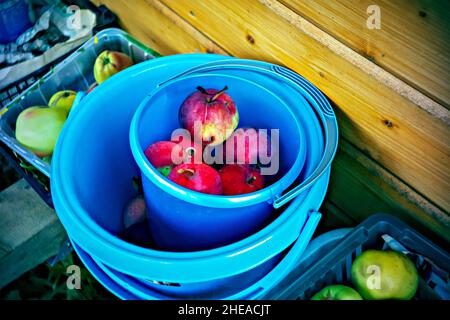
[{"x": 215, "y": 247}]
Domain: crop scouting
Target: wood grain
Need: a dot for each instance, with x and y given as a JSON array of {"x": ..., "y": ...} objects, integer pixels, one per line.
[
  {"x": 366, "y": 65},
  {"x": 390, "y": 128},
  {"x": 412, "y": 42},
  {"x": 154, "y": 25},
  {"x": 360, "y": 187},
  {"x": 30, "y": 231}
]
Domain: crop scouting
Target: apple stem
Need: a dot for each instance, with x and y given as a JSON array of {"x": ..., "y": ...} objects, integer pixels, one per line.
[
  {"x": 251, "y": 179},
  {"x": 218, "y": 94},
  {"x": 214, "y": 95},
  {"x": 105, "y": 61},
  {"x": 187, "y": 172}
]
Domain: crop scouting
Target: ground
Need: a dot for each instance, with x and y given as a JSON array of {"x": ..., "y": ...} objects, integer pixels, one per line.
[
  {"x": 46, "y": 282},
  {"x": 49, "y": 283}
]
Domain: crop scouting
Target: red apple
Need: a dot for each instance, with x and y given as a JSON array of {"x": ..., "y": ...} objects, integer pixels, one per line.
[
  {"x": 248, "y": 144},
  {"x": 162, "y": 153},
  {"x": 109, "y": 63},
  {"x": 134, "y": 212},
  {"x": 214, "y": 110},
  {"x": 240, "y": 179},
  {"x": 197, "y": 177}
]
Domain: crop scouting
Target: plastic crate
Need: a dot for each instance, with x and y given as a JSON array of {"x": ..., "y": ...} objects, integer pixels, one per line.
[
  {"x": 14, "y": 90},
  {"x": 73, "y": 73},
  {"x": 329, "y": 257},
  {"x": 105, "y": 19}
]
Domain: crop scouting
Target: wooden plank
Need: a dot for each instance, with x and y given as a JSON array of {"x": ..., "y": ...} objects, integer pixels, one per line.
[
  {"x": 333, "y": 218},
  {"x": 153, "y": 24},
  {"x": 411, "y": 43},
  {"x": 390, "y": 128},
  {"x": 30, "y": 231},
  {"x": 360, "y": 187},
  {"x": 359, "y": 61}
]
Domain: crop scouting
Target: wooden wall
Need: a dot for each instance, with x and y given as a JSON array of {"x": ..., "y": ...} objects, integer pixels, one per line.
[{"x": 389, "y": 87}]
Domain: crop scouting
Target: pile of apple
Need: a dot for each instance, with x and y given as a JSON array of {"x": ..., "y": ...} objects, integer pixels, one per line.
[
  {"x": 376, "y": 275},
  {"x": 217, "y": 113},
  {"x": 38, "y": 127}
]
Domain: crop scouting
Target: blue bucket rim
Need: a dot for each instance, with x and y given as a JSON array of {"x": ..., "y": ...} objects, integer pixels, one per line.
[
  {"x": 101, "y": 276},
  {"x": 268, "y": 193},
  {"x": 166, "y": 259}
]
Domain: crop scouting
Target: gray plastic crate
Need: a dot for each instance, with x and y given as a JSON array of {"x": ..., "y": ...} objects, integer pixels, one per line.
[
  {"x": 74, "y": 73},
  {"x": 329, "y": 257}
]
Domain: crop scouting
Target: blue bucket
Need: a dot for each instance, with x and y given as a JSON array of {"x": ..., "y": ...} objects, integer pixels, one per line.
[
  {"x": 252, "y": 284},
  {"x": 185, "y": 220},
  {"x": 247, "y": 282},
  {"x": 92, "y": 170}
]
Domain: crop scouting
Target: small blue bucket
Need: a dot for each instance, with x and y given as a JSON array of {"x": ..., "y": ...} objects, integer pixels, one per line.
[{"x": 185, "y": 220}]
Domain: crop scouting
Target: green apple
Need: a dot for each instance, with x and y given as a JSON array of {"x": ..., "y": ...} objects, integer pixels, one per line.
[
  {"x": 381, "y": 275},
  {"x": 337, "y": 292},
  {"x": 109, "y": 63},
  {"x": 63, "y": 100},
  {"x": 38, "y": 128}
]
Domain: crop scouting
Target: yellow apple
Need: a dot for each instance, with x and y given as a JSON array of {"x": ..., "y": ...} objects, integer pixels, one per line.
[
  {"x": 38, "y": 128},
  {"x": 109, "y": 63},
  {"x": 63, "y": 100}
]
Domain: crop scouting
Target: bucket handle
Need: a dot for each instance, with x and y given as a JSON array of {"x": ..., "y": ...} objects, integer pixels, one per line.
[
  {"x": 319, "y": 102},
  {"x": 316, "y": 98},
  {"x": 275, "y": 277}
]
